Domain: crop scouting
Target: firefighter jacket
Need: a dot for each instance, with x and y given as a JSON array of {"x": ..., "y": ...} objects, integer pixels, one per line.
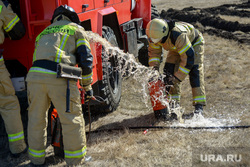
[
  {"x": 62, "y": 42},
  {"x": 180, "y": 41},
  {"x": 10, "y": 24}
]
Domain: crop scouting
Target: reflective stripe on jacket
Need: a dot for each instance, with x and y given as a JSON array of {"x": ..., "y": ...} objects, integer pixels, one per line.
[{"x": 10, "y": 23}]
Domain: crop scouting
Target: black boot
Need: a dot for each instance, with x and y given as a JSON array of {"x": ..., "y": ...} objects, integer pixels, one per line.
[
  {"x": 198, "y": 109},
  {"x": 163, "y": 114}
]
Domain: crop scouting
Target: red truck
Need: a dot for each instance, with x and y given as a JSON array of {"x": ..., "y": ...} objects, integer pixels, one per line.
[{"x": 121, "y": 22}]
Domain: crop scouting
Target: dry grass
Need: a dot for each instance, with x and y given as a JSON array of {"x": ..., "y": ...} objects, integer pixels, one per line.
[
  {"x": 228, "y": 97},
  {"x": 226, "y": 85},
  {"x": 241, "y": 20}
]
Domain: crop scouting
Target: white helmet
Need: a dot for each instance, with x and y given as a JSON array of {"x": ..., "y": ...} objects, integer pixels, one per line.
[{"x": 156, "y": 29}]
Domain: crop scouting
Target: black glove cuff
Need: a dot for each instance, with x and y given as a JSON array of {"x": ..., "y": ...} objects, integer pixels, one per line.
[{"x": 156, "y": 68}]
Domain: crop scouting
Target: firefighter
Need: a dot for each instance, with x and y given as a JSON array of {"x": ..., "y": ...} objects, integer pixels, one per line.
[
  {"x": 9, "y": 104},
  {"x": 185, "y": 46},
  {"x": 65, "y": 42}
]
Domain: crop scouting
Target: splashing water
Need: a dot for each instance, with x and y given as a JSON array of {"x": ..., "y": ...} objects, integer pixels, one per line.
[
  {"x": 128, "y": 66},
  {"x": 200, "y": 121}
]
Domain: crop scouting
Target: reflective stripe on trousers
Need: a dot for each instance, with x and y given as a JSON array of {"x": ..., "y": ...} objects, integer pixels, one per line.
[
  {"x": 199, "y": 99},
  {"x": 175, "y": 97},
  {"x": 16, "y": 137},
  {"x": 37, "y": 153},
  {"x": 75, "y": 154}
]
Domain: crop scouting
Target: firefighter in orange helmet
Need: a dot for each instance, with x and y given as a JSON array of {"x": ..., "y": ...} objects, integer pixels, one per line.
[
  {"x": 185, "y": 46},
  {"x": 9, "y": 104},
  {"x": 64, "y": 42}
]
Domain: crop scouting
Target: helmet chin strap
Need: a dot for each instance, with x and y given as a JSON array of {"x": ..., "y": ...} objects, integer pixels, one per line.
[
  {"x": 154, "y": 40},
  {"x": 59, "y": 18}
]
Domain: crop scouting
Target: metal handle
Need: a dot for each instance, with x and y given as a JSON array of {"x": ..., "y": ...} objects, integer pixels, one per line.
[
  {"x": 67, "y": 98},
  {"x": 84, "y": 7}
]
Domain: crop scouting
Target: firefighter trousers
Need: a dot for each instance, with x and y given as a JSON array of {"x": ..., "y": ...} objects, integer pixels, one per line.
[
  {"x": 196, "y": 76},
  {"x": 40, "y": 96},
  {"x": 10, "y": 112}
]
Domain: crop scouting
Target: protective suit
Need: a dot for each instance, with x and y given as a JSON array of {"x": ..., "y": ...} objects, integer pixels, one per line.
[
  {"x": 64, "y": 42},
  {"x": 185, "y": 46},
  {"x": 9, "y": 104}
]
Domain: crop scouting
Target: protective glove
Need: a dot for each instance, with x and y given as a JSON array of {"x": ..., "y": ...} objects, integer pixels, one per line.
[
  {"x": 156, "y": 68},
  {"x": 171, "y": 79},
  {"x": 88, "y": 95}
]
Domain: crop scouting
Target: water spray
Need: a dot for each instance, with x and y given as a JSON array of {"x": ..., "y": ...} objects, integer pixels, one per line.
[{"x": 128, "y": 67}]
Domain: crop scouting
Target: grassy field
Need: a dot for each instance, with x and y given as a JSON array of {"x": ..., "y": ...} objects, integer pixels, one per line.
[{"x": 228, "y": 103}]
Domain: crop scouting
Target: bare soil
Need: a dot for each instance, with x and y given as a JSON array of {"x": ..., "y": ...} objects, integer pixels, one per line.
[
  {"x": 208, "y": 20},
  {"x": 227, "y": 61}
]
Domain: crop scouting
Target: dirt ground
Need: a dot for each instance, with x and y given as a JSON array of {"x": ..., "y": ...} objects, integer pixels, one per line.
[{"x": 226, "y": 62}]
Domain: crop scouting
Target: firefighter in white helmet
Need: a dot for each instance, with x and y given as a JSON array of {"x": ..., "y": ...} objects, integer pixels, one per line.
[
  {"x": 185, "y": 46},
  {"x": 64, "y": 42},
  {"x": 9, "y": 104}
]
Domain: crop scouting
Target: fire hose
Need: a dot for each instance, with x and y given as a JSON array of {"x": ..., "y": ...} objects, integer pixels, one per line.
[
  {"x": 171, "y": 127},
  {"x": 94, "y": 98}
]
